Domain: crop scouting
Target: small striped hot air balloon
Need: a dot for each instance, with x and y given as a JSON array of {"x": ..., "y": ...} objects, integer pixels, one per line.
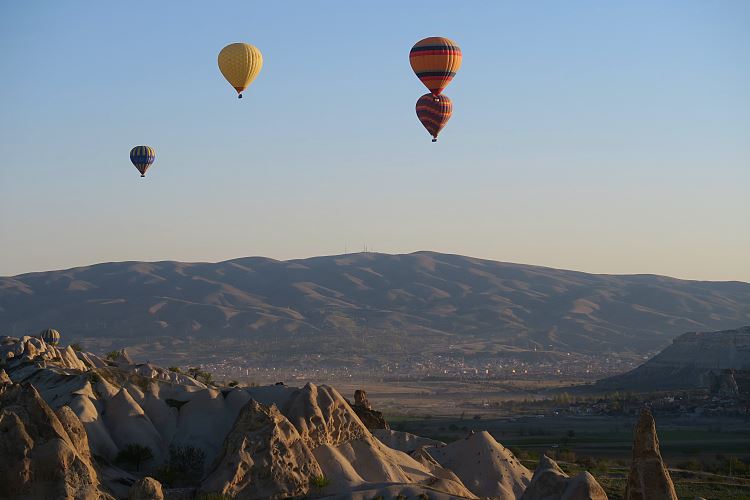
[
  {"x": 50, "y": 335},
  {"x": 435, "y": 60},
  {"x": 434, "y": 114},
  {"x": 240, "y": 63},
  {"x": 142, "y": 157}
]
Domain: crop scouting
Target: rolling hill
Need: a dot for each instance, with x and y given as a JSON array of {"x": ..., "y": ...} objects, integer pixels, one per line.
[{"x": 424, "y": 296}]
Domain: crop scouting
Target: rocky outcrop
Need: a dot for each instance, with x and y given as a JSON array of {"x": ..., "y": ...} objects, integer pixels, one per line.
[
  {"x": 147, "y": 488},
  {"x": 263, "y": 457},
  {"x": 551, "y": 483},
  {"x": 648, "y": 478},
  {"x": 122, "y": 357},
  {"x": 322, "y": 416},
  {"x": 484, "y": 466},
  {"x": 371, "y": 418},
  {"x": 403, "y": 441},
  {"x": 723, "y": 384},
  {"x": 691, "y": 362},
  {"x": 40, "y": 458}
]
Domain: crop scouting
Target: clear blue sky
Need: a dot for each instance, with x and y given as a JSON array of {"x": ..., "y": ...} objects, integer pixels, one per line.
[{"x": 600, "y": 136}]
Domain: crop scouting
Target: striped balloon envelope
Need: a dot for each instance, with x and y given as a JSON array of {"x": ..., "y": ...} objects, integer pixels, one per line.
[
  {"x": 50, "y": 335},
  {"x": 142, "y": 157},
  {"x": 435, "y": 60},
  {"x": 434, "y": 113}
]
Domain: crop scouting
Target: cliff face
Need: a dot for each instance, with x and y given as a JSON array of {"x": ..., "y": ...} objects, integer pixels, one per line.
[{"x": 693, "y": 360}]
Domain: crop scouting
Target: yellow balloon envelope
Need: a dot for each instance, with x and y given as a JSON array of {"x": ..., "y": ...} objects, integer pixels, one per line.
[{"x": 240, "y": 63}]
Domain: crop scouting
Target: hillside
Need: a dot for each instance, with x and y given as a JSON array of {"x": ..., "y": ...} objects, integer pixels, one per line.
[
  {"x": 694, "y": 360},
  {"x": 423, "y": 298}
]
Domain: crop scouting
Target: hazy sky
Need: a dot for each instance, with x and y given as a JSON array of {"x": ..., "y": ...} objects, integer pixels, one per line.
[{"x": 599, "y": 136}]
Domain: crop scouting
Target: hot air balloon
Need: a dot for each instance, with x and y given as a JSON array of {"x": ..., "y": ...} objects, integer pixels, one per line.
[
  {"x": 240, "y": 63},
  {"x": 435, "y": 60},
  {"x": 142, "y": 157},
  {"x": 434, "y": 114},
  {"x": 50, "y": 335}
]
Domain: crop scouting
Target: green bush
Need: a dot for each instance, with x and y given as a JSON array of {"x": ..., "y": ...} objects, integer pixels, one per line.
[
  {"x": 76, "y": 347},
  {"x": 320, "y": 482},
  {"x": 175, "y": 369},
  {"x": 112, "y": 355}
]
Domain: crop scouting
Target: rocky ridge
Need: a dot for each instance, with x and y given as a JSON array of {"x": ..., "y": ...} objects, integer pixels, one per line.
[{"x": 255, "y": 442}]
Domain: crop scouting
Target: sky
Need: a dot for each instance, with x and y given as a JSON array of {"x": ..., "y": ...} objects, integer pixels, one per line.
[{"x": 606, "y": 137}]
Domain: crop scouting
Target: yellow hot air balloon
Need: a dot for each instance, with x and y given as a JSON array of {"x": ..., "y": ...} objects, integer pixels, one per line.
[{"x": 240, "y": 63}]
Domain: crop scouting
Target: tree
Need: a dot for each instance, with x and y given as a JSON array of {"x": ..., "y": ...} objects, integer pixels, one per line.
[
  {"x": 112, "y": 355},
  {"x": 188, "y": 460},
  {"x": 76, "y": 347},
  {"x": 175, "y": 369},
  {"x": 135, "y": 454},
  {"x": 233, "y": 383}
]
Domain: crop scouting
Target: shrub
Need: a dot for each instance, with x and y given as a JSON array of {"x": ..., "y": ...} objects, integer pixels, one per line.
[
  {"x": 76, "y": 347},
  {"x": 112, "y": 355},
  {"x": 233, "y": 383},
  {"x": 320, "y": 482},
  {"x": 135, "y": 454},
  {"x": 175, "y": 369},
  {"x": 187, "y": 460}
]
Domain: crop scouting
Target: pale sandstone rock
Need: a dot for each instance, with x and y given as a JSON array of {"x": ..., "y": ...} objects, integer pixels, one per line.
[{"x": 648, "y": 478}]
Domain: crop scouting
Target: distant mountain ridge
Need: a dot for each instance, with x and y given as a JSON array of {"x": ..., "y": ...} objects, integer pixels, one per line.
[{"x": 447, "y": 298}]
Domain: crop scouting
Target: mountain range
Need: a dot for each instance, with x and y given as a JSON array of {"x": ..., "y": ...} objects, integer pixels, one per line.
[{"x": 423, "y": 297}]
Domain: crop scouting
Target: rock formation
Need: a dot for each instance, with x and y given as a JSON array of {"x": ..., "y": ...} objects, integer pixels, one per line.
[
  {"x": 690, "y": 362},
  {"x": 484, "y": 466},
  {"x": 263, "y": 457},
  {"x": 322, "y": 416},
  {"x": 371, "y": 418},
  {"x": 723, "y": 384},
  {"x": 59, "y": 408},
  {"x": 551, "y": 483},
  {"x": 40, "y": 458},
  {"x": 403, "y": 441},
  {"x": 648, "y": 478},
  {"x": 147, "y": 488}
]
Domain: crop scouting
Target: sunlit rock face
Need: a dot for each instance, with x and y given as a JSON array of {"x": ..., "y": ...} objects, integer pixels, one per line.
[
  {"x": 42, "y": 456},
  {"x": 484, "y": 466},
  {"x": 648, "y": 478},
  {"x": 263, "y": 456}
]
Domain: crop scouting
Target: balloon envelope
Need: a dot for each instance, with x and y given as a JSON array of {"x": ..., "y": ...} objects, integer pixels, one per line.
[
  {"x": 434, "y": 112},
  {"x": 50, "y": 335},
  {"x": 435, "y": 60},
  {"x": 142, "y": 157},
  {"x": 240, "y": 64}
]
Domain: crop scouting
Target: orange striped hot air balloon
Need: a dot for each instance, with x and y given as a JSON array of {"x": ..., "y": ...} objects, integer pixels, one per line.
[
  {"x": 434, "y": 114},
  {"x": 435, "y": 60}
]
